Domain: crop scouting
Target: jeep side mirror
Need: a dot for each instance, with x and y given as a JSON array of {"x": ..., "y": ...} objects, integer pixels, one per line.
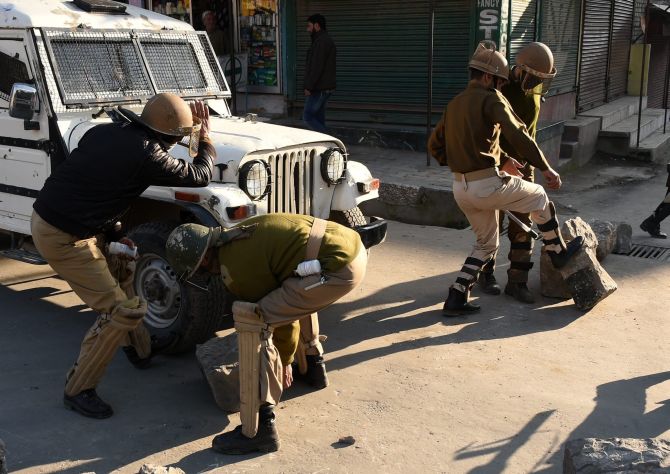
[{"x": 22, "y": 101}]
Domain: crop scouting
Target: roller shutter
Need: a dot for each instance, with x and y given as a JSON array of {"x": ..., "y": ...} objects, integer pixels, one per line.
[
  {"x": 622, "y": 27},
  {"x": 595, "y": 50},
  {"x": 522, "y": 23},
  {"x": 559, "y": 29},
  {"x": 382, "y": 60}
]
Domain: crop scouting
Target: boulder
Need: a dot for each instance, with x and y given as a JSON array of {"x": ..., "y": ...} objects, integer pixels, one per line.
[
  {"x": 219, "y": 362},
  {"x": 585, "y": 279},
  {"x": 552, "y": 284},
  {"x": 624, "y": 238},
  {"x": 594, "y": 456},
  {"x": 605, "y": 232},
  {"x": 154, "y": 469}
]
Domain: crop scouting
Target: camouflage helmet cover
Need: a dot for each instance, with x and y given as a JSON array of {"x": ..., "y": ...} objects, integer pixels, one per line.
[{"x": 186, "y": 246}]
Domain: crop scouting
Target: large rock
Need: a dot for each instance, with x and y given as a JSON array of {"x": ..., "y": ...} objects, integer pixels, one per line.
[
  {"x": 624, "y": 455},
  {"x": 154, "y": 469},
  {"x": 219, "y": 362},
  {"x": 605, "y": 232},
  {"x": 552, "y": 284},
  {"x": 586, "y": 280},
  {"x": 624, "y": 238}
]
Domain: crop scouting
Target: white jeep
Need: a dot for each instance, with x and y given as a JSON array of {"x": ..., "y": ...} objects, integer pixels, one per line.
[{"x": 66, "y": 65}]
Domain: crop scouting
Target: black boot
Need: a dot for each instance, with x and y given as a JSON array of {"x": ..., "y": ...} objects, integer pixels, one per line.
[
  {"x": 560, "y": 259},
  {"x": 519, "y": 291},
  {"x": 457, "y": 304},
  {"x": 89, "y": 404},
  {"x": 265, "y": 441},
  {"x": 159, "y": 344},
  {"x": 316, "y": 374},
  {"x": 488, "y": 283},
  {"x": 653, "y": 227}
]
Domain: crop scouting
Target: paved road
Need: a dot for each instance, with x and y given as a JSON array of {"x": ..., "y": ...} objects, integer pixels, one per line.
[{"x": 500, "y": 391}]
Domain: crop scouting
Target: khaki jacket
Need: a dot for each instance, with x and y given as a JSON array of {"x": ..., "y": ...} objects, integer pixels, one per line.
[{"x": 467, "y": 137}]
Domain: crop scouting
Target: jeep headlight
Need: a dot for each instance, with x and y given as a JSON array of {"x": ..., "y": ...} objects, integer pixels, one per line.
[
  {"x": 255, "y": 179},
  {"x": 333, "y": 165}
]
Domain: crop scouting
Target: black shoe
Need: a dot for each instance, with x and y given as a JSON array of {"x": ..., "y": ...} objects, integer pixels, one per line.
[
  {"x": 457, "y": 304},
  {"x": 162, "y": 343},
  {"x": 135, "y": 359},
  {"x": 88, "y": 403},
  {"x": 519, "y": 291},
  {"x": 234, "y": 442},
  {"x": 560, "y": 259},
  {"x": 316, "y": 374},
  {"x": 488, "y": 283},
  {"x": 653, "y": 228}
]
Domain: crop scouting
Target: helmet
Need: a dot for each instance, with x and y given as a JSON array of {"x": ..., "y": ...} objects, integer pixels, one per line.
[
  {"x": 168, "y": 114},
  {"x": 487, "y": 59},
  {"x": 537, "y": 61},
  {"x": 186, "y": 246}
]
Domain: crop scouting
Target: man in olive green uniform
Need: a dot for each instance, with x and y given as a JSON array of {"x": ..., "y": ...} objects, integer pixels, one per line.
[
  {"x": 534, "y": 66},
  {"x": 281, "y": 267},
  {"x": 467, "y": 139}
]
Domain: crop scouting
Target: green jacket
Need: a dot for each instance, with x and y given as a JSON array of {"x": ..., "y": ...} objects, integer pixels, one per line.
[
  {"x": 527, "y": 108},
  {"x": 251, "y": 268}
]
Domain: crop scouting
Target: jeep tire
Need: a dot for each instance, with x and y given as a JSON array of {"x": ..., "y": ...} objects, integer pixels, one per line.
[{"x": 193, "y": 314}]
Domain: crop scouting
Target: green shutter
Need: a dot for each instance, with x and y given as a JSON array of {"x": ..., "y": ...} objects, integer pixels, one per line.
[
  {"x": 621, "y": 31},
  {"x": 382, "y": 56},
  {"x": 521, "y": 26},
  {"x": 595, "y": 52},
  {"x": 559, "y": 29}
]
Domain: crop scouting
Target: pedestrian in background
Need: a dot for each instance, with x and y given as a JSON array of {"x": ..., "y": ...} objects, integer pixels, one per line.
[
  {"x": 217, "y": 37},
  {"x": 320, "y": 70}
]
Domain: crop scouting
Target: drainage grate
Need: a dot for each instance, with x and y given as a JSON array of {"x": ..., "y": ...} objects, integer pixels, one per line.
[{"x": 650, "y": 251}]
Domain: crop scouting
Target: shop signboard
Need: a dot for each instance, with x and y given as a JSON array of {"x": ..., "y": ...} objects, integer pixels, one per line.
[{"x": 492, "y": 22}]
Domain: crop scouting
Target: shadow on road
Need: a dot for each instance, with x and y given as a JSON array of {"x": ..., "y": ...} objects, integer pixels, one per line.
[{"x": 620, "y": 413}]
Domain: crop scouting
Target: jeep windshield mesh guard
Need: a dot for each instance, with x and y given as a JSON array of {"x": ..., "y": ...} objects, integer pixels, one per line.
[{"x": 106, "y": 67}]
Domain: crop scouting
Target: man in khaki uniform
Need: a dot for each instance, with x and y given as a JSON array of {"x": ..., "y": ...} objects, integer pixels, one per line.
[
  {"x": 529, "y": 79},
  {"x": 467, "y": 139},
  {"x": 78, "y": 209},
  {"x": 281, "y": 267}
]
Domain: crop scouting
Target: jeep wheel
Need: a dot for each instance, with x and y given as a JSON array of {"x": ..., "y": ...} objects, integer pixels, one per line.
[
  {"x": 350, "y": 218},
  {"x": 173, "y": 306}
]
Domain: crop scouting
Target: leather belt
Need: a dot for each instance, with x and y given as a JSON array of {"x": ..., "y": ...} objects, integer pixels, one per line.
[{"x": 476, "y": 175}]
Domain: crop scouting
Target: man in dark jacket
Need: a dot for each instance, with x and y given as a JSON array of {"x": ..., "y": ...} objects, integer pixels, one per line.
[
  {"x": 319, "y": 73},
  {"x": 83, "y": 200}
]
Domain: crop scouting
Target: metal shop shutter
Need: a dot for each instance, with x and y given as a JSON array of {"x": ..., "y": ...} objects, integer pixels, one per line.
[
  {"x": 382, "y": 56},
  {"x": 622, "y": 27},
  {"x": 559, "y": 29},
  {"x": 595, "y": 49},
  {"x": 660, "y": 53},
  {"x": 523, "y": 14}
]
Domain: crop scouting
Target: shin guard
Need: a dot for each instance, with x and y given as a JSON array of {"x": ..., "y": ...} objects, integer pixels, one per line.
[
  {"x": 260, "y": 366},
  {"x": 310, "y": 341},
  {"x": 100, "y": 345}
]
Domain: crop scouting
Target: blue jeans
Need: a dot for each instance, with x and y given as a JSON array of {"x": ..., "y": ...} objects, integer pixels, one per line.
[{"x": 314, "y": 114}]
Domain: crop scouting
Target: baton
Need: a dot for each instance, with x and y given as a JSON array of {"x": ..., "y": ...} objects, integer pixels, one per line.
[{"x": 524, "y": 226}]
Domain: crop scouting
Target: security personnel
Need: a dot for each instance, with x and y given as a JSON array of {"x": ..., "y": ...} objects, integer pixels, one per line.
[
  {"x": 529, "y": 79},
  {"x": 467, "y": 139},
  {"x": 652, "y": 224},
  {"x": 281, "y": 267},
  {"x": 83, "y": 200}
]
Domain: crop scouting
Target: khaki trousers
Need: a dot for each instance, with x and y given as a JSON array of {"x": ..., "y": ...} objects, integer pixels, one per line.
[
  {"x": 480, "y": 201},
  {"x": 83, "y": 265},
  {"x": 293, "y": 300}
]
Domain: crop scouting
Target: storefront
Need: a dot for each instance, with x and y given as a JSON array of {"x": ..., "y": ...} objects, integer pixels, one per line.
[{"x": 246, "y": 37}]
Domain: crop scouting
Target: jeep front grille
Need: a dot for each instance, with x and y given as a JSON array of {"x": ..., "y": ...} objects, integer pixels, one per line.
[{"x": 292, "y": 185}]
